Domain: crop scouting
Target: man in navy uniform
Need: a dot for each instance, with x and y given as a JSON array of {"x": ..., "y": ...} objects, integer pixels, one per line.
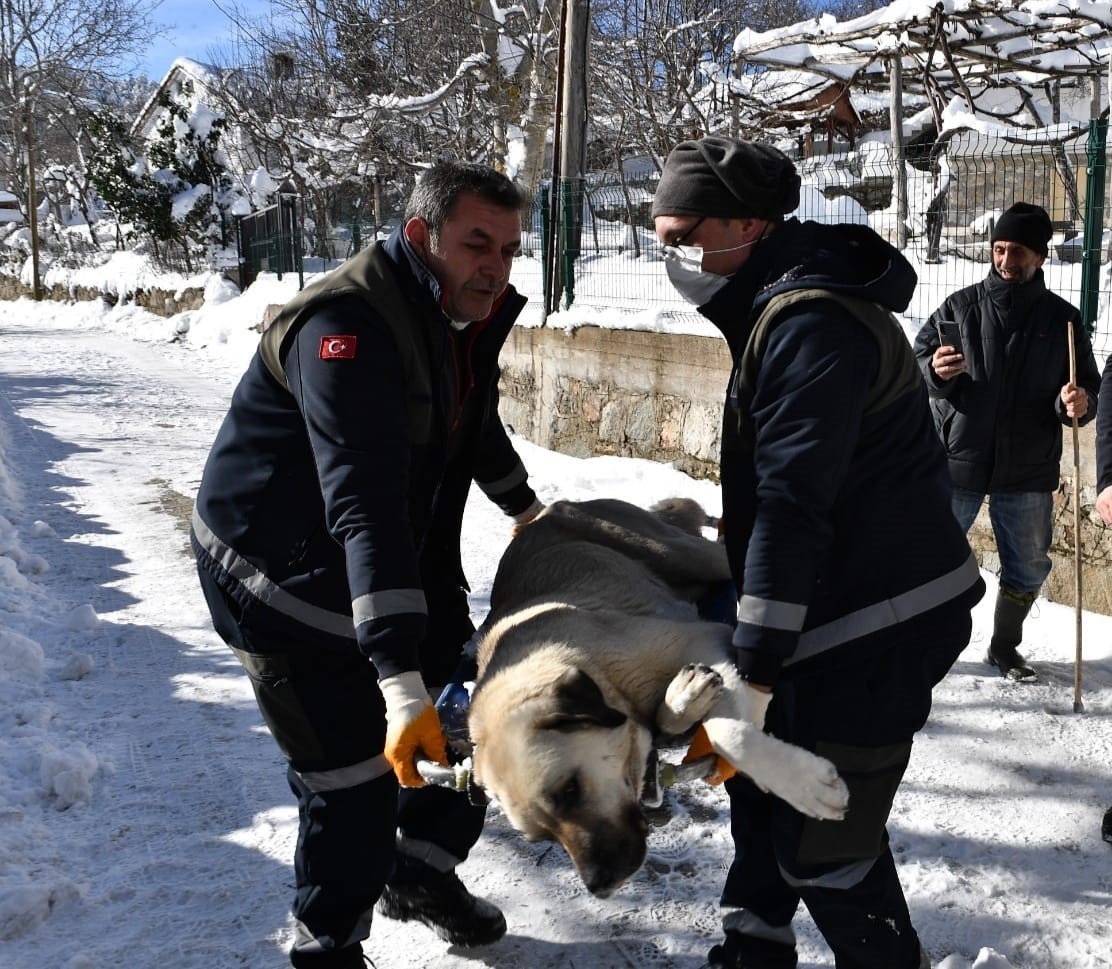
[
  {"x": 855, "y": 583},
  {"x": 327, "y": 531}
]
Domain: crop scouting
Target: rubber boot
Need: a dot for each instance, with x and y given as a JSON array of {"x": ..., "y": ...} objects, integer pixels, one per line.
[{"x": 1007, "y": 634}]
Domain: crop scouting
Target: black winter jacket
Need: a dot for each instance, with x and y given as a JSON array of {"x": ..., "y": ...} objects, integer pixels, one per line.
[
  {"x": 325, "y": 501},
  {"x": 836, "y": 500},
  {"x": 1104, "y": 428},
  {"x": 1001, "y": 421}
]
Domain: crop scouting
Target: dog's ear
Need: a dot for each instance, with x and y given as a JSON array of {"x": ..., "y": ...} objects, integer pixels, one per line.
[{"x": 578, "y": 703}]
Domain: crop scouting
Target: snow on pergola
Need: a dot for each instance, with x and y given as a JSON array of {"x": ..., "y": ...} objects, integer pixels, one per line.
[
  {"x": 946, "y": 49},
  {"x": 959, "y": 54}
]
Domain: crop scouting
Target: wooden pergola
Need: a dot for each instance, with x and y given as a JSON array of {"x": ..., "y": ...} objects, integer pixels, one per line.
[
  {"x": 969, "y": 49},
  {"x": 947, "y": 48},
  {"x": 954, "y": 49}
]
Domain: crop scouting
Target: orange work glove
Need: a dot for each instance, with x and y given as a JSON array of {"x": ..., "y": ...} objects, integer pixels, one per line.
[
  {"x": 412, "y": 727},
  {"x": 700, "y": 747}
]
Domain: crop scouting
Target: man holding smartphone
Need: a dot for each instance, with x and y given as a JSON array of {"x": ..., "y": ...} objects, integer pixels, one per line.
[{"x": 995, "y": 356}]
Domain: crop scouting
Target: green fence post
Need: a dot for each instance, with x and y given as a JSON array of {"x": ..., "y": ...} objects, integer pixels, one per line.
[
  {"x": 237, "y": 221},
  {"x": 569, "y": 237},
  {"x": 295, "y": 233},
  {"x": 281, "y": 252},
  {"x": 1094, "y": 222},
  {"x": 546, "y": 280}
]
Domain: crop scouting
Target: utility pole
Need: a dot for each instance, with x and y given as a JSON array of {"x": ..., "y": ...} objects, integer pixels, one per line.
[
  {"x": 899, "y": 173},
  {"x": 568, "y": 185},
  {"x": 574, "y": 101},
  {"x": 32, "y": 201}
]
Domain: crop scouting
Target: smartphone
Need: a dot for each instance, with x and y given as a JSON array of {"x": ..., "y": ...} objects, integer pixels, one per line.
[{"x": 949, "y": 335}]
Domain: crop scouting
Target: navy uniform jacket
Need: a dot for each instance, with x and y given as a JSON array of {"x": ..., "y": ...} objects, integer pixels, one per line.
[
  {"x": 325, "y": 502},
  {"x": 836, "y": 498},
  {"x": 1001, "y": 421}
]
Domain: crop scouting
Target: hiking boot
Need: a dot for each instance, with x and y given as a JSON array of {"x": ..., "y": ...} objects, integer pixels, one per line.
[
  {"x": 1010, "y": 664},
  {"x": 739, "y": 951},
  {"x": 1106, "y": 826},
  {"x": 440, "y": 900}
]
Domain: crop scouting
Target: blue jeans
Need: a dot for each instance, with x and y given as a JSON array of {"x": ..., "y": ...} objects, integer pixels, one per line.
[{"x": 1021, "y": 524}]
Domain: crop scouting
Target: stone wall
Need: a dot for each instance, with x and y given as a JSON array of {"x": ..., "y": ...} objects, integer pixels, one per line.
[
  {"x": 161, "y": 302},
  {"x": 623, "y": 392},
  {"x": 656, "y": 395}
]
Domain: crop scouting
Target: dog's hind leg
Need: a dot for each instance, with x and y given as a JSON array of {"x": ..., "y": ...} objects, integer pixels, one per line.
[{"x": 694, "y": 690}]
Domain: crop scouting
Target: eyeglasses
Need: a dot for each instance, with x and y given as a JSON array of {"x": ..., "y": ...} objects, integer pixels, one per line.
[{"x": 678, "y": 241}]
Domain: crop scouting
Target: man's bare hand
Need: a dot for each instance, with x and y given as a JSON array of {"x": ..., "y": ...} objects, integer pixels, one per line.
[
  {"x": 1075, "y": 400},
  {"x": 1104, "y": 505},
  {"x": 947, "y": 363}
]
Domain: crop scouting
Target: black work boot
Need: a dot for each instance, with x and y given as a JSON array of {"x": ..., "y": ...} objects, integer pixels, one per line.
[
  {"x": 738, "y": 951},
  {"x": 439, "y": 900},
  {"x": 1106, "y": 826},
  {"x": 349, "y": 958},
  {"x": 1007, "y": 633},
  {"x": 307, "y": 953}
]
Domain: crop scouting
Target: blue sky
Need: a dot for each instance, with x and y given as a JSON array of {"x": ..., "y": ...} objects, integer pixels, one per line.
[{"x": 192, "y": 28}]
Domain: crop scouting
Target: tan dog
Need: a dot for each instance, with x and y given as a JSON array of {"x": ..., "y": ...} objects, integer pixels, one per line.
[{"x": 593, "y": 644}]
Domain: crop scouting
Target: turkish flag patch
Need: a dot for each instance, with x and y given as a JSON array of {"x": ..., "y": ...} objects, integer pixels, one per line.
[{"x": 337, "y": 347}]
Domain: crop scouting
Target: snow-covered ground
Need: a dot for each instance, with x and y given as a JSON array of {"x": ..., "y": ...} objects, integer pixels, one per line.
[{"x": 144, "y": 815}]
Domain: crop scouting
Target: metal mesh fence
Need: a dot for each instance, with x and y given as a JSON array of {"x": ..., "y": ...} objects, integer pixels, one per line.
[
  {"x": 939, "y": 207},
  {"x": 608, "y": 257}
]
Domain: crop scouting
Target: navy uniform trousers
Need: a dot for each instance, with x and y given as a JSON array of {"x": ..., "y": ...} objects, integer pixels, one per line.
[
  {"x": 325, "y": 712},
  {"x": 862, "y": 716}
]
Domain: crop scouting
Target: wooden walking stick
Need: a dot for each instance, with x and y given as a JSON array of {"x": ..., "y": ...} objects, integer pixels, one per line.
[{"x": 1078, "y": 706}]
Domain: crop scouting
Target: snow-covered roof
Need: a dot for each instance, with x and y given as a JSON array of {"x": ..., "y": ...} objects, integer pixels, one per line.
[
  {"x": 182, "y": 69},
  {"x": 945, "y": 43},
  {"x": 783, "y": 86}
]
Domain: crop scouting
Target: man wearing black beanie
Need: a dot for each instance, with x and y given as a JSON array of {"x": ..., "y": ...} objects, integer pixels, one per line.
[
  {"x": 1001, "y": 393},
  {"x": 827, "y": 446}
]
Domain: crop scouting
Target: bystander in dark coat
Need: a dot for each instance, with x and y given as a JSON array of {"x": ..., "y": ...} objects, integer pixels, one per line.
[{"x": 1000, "y": 401}]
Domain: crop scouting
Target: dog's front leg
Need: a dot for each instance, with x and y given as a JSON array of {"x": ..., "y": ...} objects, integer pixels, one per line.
[
  {"x": 807, "y": 782},
  {"x": 691, "y": 695}
]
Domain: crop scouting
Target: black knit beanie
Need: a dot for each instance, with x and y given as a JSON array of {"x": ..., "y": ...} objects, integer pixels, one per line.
[
  {"x": 725, "y": 177},
  {"x": 1027, "y": 224}
]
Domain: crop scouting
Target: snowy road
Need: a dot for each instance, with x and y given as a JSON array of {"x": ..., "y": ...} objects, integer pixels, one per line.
[
  {"x": 108, "y": 437},
  {"x": 144, "y": 817},
  {"x": 180, "y": 857}
]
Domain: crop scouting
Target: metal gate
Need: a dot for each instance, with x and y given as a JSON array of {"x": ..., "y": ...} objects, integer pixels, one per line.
[{"x": 270, "y": 241}]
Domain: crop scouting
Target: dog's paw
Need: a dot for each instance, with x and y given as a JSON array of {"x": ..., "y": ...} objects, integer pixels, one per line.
[
  {"x": 694, "y": 690},
  {"x": 809, "y": 783}
]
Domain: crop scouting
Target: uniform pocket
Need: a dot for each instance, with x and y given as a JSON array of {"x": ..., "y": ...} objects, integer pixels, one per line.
[
  {"x": 872, "y": 775},
  {"x": 280, "y": 705}
]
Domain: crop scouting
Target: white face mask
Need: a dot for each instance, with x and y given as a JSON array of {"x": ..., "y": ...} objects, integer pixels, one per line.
[{"x": 684, "y": 265}]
